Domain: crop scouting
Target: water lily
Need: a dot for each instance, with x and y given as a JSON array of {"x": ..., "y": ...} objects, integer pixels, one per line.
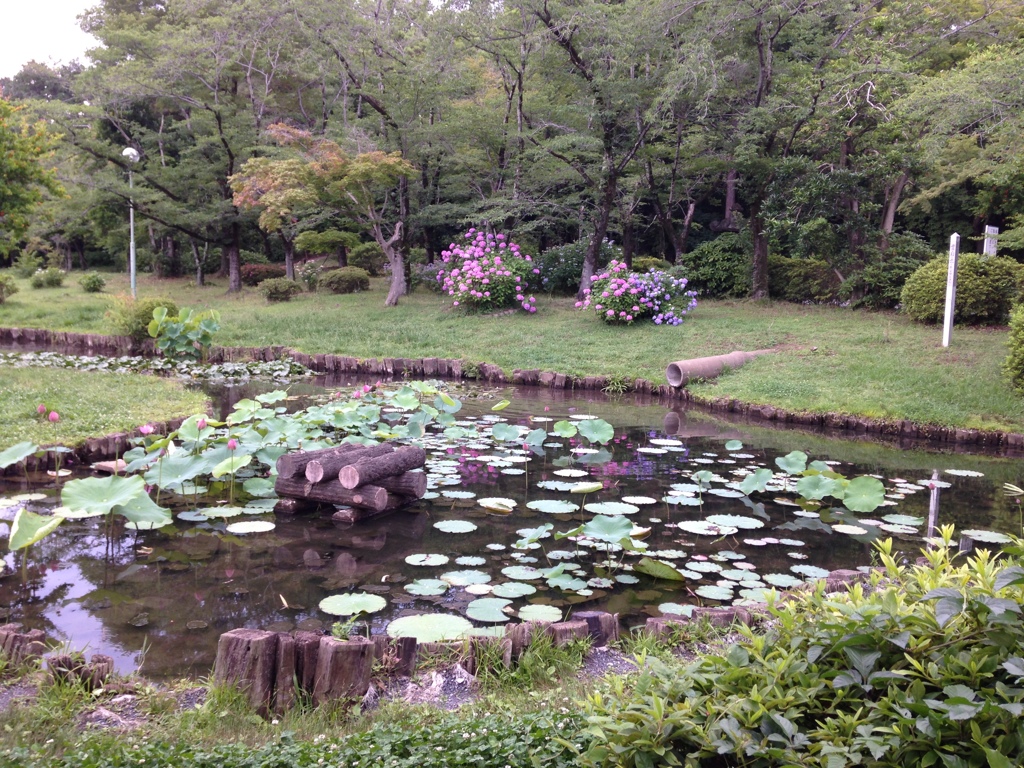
[
  {"x": 146, "y": 429},
  {"x": 54, "y": 417}
]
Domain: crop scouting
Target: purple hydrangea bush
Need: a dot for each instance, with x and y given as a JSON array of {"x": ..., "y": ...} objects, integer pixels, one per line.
[
  {"x": 487, "y": 272},
  {"x": 622, "y": 297}
]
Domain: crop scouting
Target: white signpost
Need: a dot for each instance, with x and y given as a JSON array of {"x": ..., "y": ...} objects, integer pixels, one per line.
[
  {"x": 991, "y": 241},
  {"x": 954, "y": 255}
]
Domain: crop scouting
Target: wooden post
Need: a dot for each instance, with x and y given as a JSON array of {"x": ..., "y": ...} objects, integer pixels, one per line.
[
  {"x": 247, "y": 658},
  {"x": 991, "y": 241},
  {"x": 954, "y": 255},
  {"x": 343, "y": 669},
  {"x": 603, "y": 627}
]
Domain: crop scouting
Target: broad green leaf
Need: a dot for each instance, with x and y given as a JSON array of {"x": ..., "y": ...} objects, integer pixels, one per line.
[
  {"x": 756, "y": 481},
  {"x": 143, "y": 510},
  {"x": 28, "y": 528},
  {"x": 596, "y": 430},
  {"x": 536, "y": 437},
  {"x": 431, "y": 627},
  {"x": 505, "y": 432},
  {"x": 16, "y": 453},
  {"x": 610, "y": 529},
  {"x": 734, "y": 445},
  {"x": 816, "y": 487},
  {"x": 501, "y": 406},
  {"x": 564, "y": 429},
  {"x": 99, "y": 495},
  {"x": 792, "y": 463},
  {"x": 352, "y": 603},
  {"x": 231, "y": 465},
  {"x": 864, "y": 494},
  {"x": 658, "y": 569}
]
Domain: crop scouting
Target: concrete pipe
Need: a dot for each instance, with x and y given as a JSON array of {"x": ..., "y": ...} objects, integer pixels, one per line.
[{"x": 682, "y": 372}]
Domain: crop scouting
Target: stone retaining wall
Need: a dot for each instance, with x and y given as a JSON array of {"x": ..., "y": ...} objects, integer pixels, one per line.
[{"x": 433, "y": 367}]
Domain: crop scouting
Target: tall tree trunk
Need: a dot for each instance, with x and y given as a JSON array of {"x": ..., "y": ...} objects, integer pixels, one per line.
[
  {"x": 604, "y": 213},
  {"x": 728, "y": 225},
  {"x": 80, "y": 247},
  {"x": 234, "y": 260},
  {"x": 199, "y": 260},
  {"x": 393, "y": 252},
  {"x": 289, "y": 256},
  {"x": 172, "y": 258},
  {"x": 892, "y": 202},
  {"x": 759, "y": 289}
]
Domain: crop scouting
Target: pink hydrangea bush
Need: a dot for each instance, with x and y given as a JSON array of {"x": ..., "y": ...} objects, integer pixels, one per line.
[
  {"x": 487, "y": 272},
  {"x": 622, "y": 297}
]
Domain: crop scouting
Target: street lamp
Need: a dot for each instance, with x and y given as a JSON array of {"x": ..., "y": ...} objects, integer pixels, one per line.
[{"x": 132, "y": 156}]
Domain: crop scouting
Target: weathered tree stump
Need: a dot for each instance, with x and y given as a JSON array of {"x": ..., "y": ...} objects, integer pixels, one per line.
[
  {"x": 330, "y": 464},
  {"x": 18, "y": 646},
  {"x": 521, "y": 635},
  {"x": 603, "y": 627},
  {"x": 564, "y": 632},
  {"x": 332, "y": 492},
  {"x": 396, "y": 654},
  {"x": 307, "y": 649},
  {"x": 285, "y": 681},
  {"x": 372, "y": 469},
  {"x": 247, "y": 659},
  {"x": 343, "y": 669},
  {"x": 488, "y": 649}
]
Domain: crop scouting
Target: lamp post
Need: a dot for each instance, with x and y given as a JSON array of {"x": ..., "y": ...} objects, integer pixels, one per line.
[{"x": 132, "y": 156}]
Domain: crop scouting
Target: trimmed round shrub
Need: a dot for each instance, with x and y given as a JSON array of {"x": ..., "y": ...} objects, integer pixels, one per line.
[
  {"x": 647, "y": 263},
  {"x": 279, "y": 289},
  {"x": 131, "y": 317},
  {"x": 802, "y": 280},
  {"x": 51, "y": 277},
  {"x": 719, "y": 268},
  {"x": 254, "y": 274},
  {"x": 488, "y": 272},
  {"x": 7, "y": 287},
  {"x": 92, "y": 283},
  {"x": 368, "y": 257},
  {"x": 561, "y": 267},
  {"x": 345, "y": 280},
  {"x": 987, "y": 287}
]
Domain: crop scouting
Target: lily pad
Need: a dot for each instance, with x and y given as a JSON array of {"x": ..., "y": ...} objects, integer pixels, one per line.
[
  {"x": 586, "y": 487},
  {"x": 904, "y": 520},
  {"x": 954, "y": 472},
  {"x": 850, "y": 530},
  {"x": 470, "y": 560},
  {"x": 352, "y": 604},
  {"x": 513, "y": 589},
  {"x": 553, "y": 506},
  {"x": 735, "y": 521},
  {"x": 465, "y": 578},
  {"x": 427, "y": 587},
  {"x": 497, "y": 504},
  {"x": 639, "y": 500},
  {"x": 705, "y": 528},
  {"x": 570, "y": 473},
  {"x": 714, "y": 592},
  {"x": 987, "y": 537},
  {"x": 781, "y": 580},
  {"x": 28, "y": 528},
  {"x": 539, "y": 612},
  {"x": 522, "y": 573},
  {"x": 488, "y": 609},
  {"x": 734, "y": 445},
  {"x": 455, "y": 526},
  {"x": 431, "y": 559},
  {"x": 611, "y": 508},
  {"x": 675, "y": 609},
  {"x": 430, "y": 628},
  {"x": 810, "y": 571},
  {"x": 251, "y": 526}
]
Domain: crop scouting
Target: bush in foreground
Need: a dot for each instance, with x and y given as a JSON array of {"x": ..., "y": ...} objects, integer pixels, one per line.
[
  {"x": 923, "y": 666},
  {"x": 487, "y": 273},
  {"x": 51, "y": 277},
  {"x": 131, "y": 317},
  {"x": 987, "y": 287},
  {"x": 7, "y": 287},
  {"x": 92, "y": 282},
  {"x": 345, "y": 280},
  {"x": 1013, "y": 368}
]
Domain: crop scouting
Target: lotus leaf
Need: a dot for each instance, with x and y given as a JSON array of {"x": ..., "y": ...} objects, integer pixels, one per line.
[
  {"x": 817, "y": 487},
  {"x": 705, "y": 528},
  {"x": 714, "y": 592},
  {"x": 513, "y": 589},
  {"x": 497, "y": 504},
  {"x": 675, "y": 609},
  {"x": 455, "y": 526},
  {"x": 101, "y": 494},
  {"x": 540, "y": 612},
  {"x": 552, "y": 506},
  {"x": 564, "y": 429},
  {"x": 251, "y": 526},
  {"x": 586, "y": 487},
  {"x": 611, "y": 529},
  {"x": 987, "y": 537},
  {"x": 432, "y": 559},
  {"x": 792, "y": 463},
  {"x": 864, "y": 494},
  {"x": 810, "y": 571},
  {"x": 611, "y": 508},
  {"x": 488, "y": 609},
  {"x": 734, "y": 445},
  {"x": 735, "y": 521},
  {"x": 17, "y": 452},
  {"x": 231, "y": 465},
  {"x": 596, "y": 430},
  {"x": 658, "y": 569},
  {"x": 522, "y": 573},
  {"x": 430, "y": 628},
  {"x": 28, "y": 528},
  {"x": 465, "y": 578},
  {"x": 352, "y": 603}
]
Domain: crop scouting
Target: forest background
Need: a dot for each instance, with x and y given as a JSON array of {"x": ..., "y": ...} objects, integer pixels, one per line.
[{"x": 853, "y": 135}]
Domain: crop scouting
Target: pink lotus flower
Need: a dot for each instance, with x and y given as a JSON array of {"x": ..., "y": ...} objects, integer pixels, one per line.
[
  {"x": 41, "y": 409},
  {"x": 146, "y": 429},
  {"x": 232, "y": 444},
  {"x": 54, "y": 417},
  {"x": 201, "y": 425}
]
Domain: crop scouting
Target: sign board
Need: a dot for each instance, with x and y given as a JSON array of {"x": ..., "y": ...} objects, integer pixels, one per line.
[{"x": 954, "y": 256}]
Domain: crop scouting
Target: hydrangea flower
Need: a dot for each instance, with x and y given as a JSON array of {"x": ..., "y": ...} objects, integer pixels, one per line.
[
  {"x": 487, "y": 272},
  {"x": 627, "y": 296}
]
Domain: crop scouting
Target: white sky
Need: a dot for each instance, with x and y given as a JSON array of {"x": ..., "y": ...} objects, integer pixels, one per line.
[{"x": 44, "y": 30}]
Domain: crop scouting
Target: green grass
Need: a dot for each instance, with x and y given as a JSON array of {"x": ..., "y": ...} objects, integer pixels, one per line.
[
  {"x": 879, "y": 365},
  {"x": 90, "y": 404}
]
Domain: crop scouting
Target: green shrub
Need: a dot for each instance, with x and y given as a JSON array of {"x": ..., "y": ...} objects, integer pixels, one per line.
[
  {"x": 1013, "y": 368},
  {"x": 131, "y": 317},
  {"x": 923, "y": 667},
  {"x": 368, "y": 257},
  {"x": 254, "y": 274},
  {"x": 802, "y": 280},
  {"x": 28, "y": 263},
  {"x": 279, "y": 289},
  {"x": 51, "y": 277},
  {"x": 252, "y": 257},
  {"x": 92, "y": 282},
  {"x": 719, "y": 268},
  {"x": 879, "y": 285},
  {"x": 561, "y": 267},
  {"x": 987, "y": 287},
  {"x": 427, "y": 274},
  {"x": 647, "y": 263},
  {"x": 345, "y": 280},
  {"x": 7, "y": 287}
]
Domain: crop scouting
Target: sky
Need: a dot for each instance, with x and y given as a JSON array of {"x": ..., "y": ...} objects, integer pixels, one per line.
[{"x": 44, "y": 30}]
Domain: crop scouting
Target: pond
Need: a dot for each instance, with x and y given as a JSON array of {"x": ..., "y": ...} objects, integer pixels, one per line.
[{"x": 480, "y": 547}]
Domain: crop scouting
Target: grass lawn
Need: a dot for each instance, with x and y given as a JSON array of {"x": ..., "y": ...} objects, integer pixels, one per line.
[
  {"x": 879, "y": 365},
  {"x": 90, "y": 403}
]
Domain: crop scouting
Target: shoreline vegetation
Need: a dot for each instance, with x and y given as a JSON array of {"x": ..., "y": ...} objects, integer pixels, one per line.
[{"x": 828, "y": 360}]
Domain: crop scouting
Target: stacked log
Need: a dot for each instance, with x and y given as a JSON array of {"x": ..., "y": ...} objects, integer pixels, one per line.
[
  {"x": 18, "y": 646},
  {"x": 369, "y": 480}
]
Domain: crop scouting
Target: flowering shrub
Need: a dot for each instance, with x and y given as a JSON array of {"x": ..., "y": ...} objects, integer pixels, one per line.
[
  {"x": 487, "y": 272},
  {"x": 623, "y": 297}
]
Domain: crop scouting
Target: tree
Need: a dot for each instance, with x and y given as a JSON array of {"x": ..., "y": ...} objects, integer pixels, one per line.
[
  {"x": 24, "y": 179},
  {"x": 324, "y": 177}
]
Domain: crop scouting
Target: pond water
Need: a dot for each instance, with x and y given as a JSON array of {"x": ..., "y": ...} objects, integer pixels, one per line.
[{"x": 161, "y": 598}]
